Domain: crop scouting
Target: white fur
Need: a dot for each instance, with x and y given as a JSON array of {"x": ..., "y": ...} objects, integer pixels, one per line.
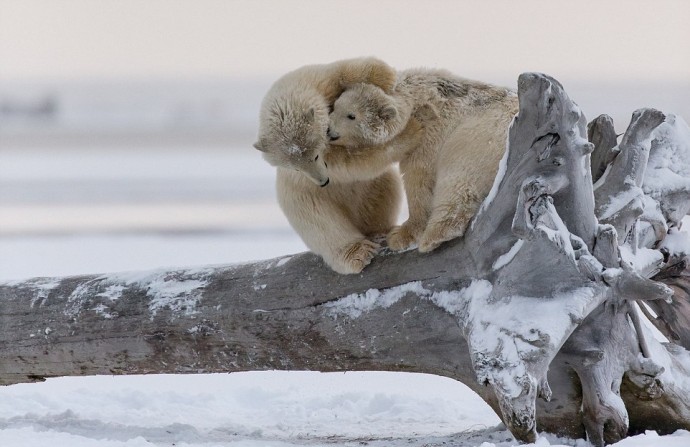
[
  {"x": 448, "y": 174},
  {"x": 336, "y": 221}
]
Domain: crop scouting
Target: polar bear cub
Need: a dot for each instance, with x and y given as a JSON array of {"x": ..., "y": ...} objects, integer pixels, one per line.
[
  {"x": 449, "y": 173},
  {"x": 294, "y": 113},
  {"x": 333, "y": 201}
]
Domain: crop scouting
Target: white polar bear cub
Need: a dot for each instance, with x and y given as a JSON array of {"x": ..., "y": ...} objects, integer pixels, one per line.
[
  {"x": 446, "y": 176},
  {"x": 334, "y": 205},
  {"x": 294, "y": 113}
]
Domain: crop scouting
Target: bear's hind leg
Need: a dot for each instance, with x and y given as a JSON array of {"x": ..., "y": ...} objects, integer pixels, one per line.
[
  {"x": 450, "y": 215},
  {"x": 419, "y": 180}
]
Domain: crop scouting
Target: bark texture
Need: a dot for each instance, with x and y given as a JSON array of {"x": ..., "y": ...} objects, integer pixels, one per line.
[{"x": 535, "y": 308}]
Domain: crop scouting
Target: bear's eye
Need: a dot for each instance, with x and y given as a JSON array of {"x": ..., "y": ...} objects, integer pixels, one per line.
[
  {"x": 316, "y": 158},
  {"x": 351, "y": 116}
]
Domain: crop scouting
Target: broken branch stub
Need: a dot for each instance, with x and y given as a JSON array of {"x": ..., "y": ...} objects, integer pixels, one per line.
[
  {"x": 601, "y": 132},
  {"x": 618, "y": 193},
  {"x": 547, "y": 140}
]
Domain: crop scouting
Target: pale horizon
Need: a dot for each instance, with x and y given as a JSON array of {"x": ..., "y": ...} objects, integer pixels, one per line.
[
  {"x": 164, "y": 65},
  {"x": 588, "y": 40}
]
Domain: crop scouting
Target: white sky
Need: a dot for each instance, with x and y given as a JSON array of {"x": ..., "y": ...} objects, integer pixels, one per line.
[{"x": 583, "y": 39}]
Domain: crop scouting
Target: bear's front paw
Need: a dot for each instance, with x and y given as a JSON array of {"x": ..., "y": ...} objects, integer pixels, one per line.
[
  {"x": 401, "y": 237},
  {"x": 356, "y": 256}
]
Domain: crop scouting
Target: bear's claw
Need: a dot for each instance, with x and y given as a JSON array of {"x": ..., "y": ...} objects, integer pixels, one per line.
[
  {"x": 356, "y": 256},
  {"x": 438, "y": 233},
  {"x": 425, "y": 245},
  {"x": 401, "y": 237}
]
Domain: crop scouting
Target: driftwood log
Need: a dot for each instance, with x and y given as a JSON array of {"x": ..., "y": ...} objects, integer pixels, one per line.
[{"x": 537, "y": 308}]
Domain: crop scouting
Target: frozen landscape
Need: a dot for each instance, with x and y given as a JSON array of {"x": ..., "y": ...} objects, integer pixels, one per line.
[
  {"x": 125, "y": 146},
  {"x": 152, "y": 208}
]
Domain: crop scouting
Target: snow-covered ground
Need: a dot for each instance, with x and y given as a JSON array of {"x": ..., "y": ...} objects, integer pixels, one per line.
[{"x": 83, "y": 211}]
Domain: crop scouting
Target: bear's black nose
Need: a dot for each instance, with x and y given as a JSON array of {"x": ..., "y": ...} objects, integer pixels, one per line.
[
  {"x": 328, "y": 180},
  {"x": 332, "y": 135}
]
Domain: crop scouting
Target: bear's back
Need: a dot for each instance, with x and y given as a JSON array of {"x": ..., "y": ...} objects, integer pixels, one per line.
[{"x": 449, "y": 93}]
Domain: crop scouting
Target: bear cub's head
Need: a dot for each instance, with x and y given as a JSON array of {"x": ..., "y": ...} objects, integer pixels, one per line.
[
  {"x": 293, "y": 136},
  {"x": 364, "y": 115}
]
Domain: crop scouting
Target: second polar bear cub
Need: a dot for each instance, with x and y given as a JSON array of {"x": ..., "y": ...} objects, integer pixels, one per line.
[{"x": 448, "y": 175}]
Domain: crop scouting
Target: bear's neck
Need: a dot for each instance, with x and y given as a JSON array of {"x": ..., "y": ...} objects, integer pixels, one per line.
[{"x": 404, "y": 107}]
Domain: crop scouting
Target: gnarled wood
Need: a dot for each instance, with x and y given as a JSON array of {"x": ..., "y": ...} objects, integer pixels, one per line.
[
  {"x": 673, "y": 319},
  {"x": 602, "y": 134},
  {"x": 618, "y": 193}
]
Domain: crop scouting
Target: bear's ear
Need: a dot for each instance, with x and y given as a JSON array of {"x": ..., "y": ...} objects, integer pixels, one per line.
[
  {"x": 388, "y": 113},
  {"x": 427, "y": 112},
  {"x": 259, "y": 146},
  {"x": 309, "y": 115}
]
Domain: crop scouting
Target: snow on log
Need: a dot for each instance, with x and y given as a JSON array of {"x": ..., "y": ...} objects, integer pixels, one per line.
[
  {"x": 667, "y": 178},
  {"x": 618, "y": 193},
  {"x": 534, "y": 308}
]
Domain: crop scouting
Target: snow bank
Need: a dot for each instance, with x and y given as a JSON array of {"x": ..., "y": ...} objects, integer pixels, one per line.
[{"x": 243, "y": 409}]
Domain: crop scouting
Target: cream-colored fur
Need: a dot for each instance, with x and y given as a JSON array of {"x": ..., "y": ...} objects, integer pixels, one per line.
[
  {"x": 450, "y": 172},
  {"x": 334, "y": 203},
  {"x": 293, "y": 118},
  {"x": 341, "y": 221}
]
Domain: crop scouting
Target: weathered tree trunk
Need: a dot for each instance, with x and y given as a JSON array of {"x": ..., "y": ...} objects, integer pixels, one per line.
[{"x": 538, "y": 300}]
